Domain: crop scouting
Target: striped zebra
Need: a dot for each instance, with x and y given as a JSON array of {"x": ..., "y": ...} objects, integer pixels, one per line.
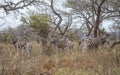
[
  {"x": 58, "y": 43},
  {"x": 112, "y": 43},
  {"x": 62, "y": 43},
  {"x": 92, "y": 43},
  {"x": 113, "y": 40},
  {"x": 23, "y": 44},
  {"x": 69, "y": 43}
]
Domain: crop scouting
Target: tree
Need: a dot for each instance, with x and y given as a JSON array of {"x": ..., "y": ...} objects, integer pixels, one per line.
[
  {"x": 40, "y": 23},
  {"x": 93, "y": 12}
]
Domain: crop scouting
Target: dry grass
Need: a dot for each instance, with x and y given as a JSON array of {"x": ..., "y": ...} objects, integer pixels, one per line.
[{"x": 54, "y": 62}]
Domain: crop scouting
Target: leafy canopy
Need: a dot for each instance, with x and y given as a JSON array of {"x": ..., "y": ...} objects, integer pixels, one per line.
[{"x": 40, "y": 22}]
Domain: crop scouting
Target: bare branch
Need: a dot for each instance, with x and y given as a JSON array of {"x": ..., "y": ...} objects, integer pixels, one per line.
[
  {"x": 10, "y": 6},
  {"x": 60, "y": 18}
]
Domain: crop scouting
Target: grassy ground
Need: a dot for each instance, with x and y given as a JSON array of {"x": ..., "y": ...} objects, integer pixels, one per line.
[{"x": 53, "y": 62}]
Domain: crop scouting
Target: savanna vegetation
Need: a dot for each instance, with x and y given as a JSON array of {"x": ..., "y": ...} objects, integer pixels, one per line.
[
  {"x": 44, "y": 22},
  {"x": 53, "y": 62}
]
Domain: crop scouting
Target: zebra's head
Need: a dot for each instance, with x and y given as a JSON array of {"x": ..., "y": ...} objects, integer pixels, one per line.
[
  {"x": 110, "y": 43},
  {"x": 113, "y": 43}
]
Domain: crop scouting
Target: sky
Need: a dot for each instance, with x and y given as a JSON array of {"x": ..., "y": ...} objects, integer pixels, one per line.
[
  {"x": 13, "y": 20},
  {"x": 107, "y": 24},
  {"x": 8, "y": 20}
]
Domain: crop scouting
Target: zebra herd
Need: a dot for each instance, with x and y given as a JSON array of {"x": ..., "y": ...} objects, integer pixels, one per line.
[
  {"x": 22, "y": 41},
  {"x": 25, "y": 44}
]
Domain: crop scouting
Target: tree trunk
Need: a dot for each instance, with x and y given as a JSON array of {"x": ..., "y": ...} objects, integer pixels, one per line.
[
  {"x": 97, "y": 22},
  {"x": 98, "y": 19},
  {"x": 89, "y": 31},
  {"x": 96, "y": 30}
]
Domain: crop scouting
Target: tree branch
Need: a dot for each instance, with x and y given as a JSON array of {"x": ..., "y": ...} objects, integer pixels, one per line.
[
  {"x": 60, "y": 18},
  {"x": 10, "y": 6}
]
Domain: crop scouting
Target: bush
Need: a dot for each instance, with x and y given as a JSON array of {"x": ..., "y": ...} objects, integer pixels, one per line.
[{"x": 39, "y": 22}]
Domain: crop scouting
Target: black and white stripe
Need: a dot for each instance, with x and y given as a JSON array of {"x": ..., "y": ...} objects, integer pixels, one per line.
[
  {"x": 112, "y": 43},
  {"x": 113, "y": 40},
  {"x": 92, "y": 43},
  {"x": 22, "y": 44},
  {"x": 62, "y": 43}
]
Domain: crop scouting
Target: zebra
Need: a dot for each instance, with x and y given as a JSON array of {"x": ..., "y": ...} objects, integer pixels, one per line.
[
  {"x": 22, "y": 44},
  {"x": 69, "y": 43},
  {"x": 62, "y": 43},
  {"x": 111, "y": 44},
  {"x": 92, "y": 43},
  {"x": 58, "y": 43},
  {"x": 113, "y": 40}
]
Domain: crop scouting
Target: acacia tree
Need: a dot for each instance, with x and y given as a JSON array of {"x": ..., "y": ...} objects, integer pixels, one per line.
[{"x": 94, "y": 12}]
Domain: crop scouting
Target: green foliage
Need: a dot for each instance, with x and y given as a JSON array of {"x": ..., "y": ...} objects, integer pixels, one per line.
[
  {"x": 6, "y": 36},
  {"x": 39, "y": 22},
  {"x": 69, "y": 3}
]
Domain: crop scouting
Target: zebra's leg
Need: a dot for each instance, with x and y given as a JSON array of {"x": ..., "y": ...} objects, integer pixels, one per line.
[
  {"x": 22, "y": 48},
  {"x": 84, "y": 47},
  {"x": 61, "y": 49},
  {"x": 94, "y": 48},
  {"x": 28, "y": 48},
  {"x": 70, "y": 48},
  {"x": 17, "y": 50},
  {"x": 28, "y": 52},
  {"x": 15, "y": 47}
]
